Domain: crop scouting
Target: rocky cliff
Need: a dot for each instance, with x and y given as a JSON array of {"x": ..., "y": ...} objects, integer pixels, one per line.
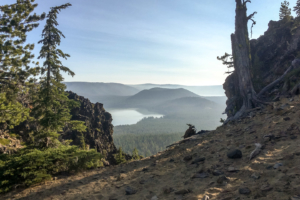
[
  {"x": 271, "y": 54},
  {"x": 98, "y": 135},
  {"x": 99, "y": 128}
]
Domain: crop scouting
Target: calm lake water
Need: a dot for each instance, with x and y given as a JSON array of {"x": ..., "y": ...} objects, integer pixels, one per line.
[{"x": 129, "y": 116}]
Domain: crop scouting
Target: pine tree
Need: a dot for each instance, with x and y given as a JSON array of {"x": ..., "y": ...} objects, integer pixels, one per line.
[
  {"x": 297, "y": 8},
  {"x": 284, "y": 11},
  {"x": 52, "y": 106},
  {"x": 119, "y": 157},
  {"x": 15, "y": 57},
  {"x": 135, "y": 154}
]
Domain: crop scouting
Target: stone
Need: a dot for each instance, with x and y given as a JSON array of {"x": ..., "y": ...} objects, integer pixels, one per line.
[
  {"x": 145, "y": 169},
  {"x": 167, "y": 190},
  {"x": 201, "y": 175},
  {"x": 244, "y": 191},
  {"x": 255, "y": 176},
  {"x": 154, "y": 198},
  {"x": 217, "y": 172},
  {"x": 293, "y": 137},
  {"x": 295, "y": 197},
  {"x": 222, "y": 179},
  {"x": 277, "y": 165},
  {"x": 266, "y": 188},
  {"x": 235, "y": 154},
  {"x": 205, "y": 197},
  {"x": 121, "y": 177},
  {"x": 198, "y": 160},
  {"x": 182, "y": 192},
  {"x": 187, "y": 158},
  {"x": 130, "y": 191},
  {"x": 232, "y": 169},
  {"x": 269, "y": 167}
]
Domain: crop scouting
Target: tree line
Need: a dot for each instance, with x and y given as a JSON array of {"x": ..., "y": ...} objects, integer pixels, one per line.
[{"x": 285, "y": 11}]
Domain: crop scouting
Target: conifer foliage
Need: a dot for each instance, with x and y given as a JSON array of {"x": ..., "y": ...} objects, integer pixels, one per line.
[
  {"x": 16, "y": 21},
  {"x": 297, "y": 8},
  {"x": 48, "y": 100},
  {"x": 284, "y": 11},
  {"x": 52, "y": 106}
]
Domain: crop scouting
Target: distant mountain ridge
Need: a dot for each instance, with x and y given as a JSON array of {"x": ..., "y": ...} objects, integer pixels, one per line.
[
  {"x": 156, "y": 96},
  {"x": 88, "y": 89},
  {"x": 213, "y": 90}
]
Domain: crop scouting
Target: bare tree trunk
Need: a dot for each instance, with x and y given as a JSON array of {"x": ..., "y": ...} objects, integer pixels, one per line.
[
  {"x": 242, "y": 64},
  {"x": 242, "y": 59}
]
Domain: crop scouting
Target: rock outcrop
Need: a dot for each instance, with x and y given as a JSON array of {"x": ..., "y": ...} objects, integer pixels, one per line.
[
  {"x": 99, "y": 128},
  {"x": 271, "y": 54},
  {"x": 98, "y": 135}
]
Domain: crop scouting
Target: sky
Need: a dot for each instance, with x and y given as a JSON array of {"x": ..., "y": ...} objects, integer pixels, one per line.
[{"x": 150, "y": 41}]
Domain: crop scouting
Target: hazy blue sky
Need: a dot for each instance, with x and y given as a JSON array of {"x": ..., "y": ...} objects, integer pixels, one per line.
[{"x": 150, "y": 41}]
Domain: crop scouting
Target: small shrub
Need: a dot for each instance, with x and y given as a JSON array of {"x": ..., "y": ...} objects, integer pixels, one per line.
[
  {"x": 4, "y": 141},
  {"x": 31, "y": 166},
  {"x": 119, "y": 157},
  {"x": 135, "y": 154}
]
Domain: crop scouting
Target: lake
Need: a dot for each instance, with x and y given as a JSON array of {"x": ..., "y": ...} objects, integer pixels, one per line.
[{"x": 130, "y": 116}]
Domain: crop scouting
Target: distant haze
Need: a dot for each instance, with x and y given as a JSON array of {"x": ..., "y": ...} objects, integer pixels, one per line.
[{"x": 89, "y": 89}]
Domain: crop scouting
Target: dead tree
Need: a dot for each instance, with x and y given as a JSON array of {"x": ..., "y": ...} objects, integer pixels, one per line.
[{"x": 242, "y": 62}]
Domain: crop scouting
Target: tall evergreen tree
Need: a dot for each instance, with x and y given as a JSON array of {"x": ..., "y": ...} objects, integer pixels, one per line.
[
  {"x": 284, "y": 11},
  {"x": 52, "y": 106},
  {"x": 16, "y": 21},
  {"x": 297, "y": 8}
]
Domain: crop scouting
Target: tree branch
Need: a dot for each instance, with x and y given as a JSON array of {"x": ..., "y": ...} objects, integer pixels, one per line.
[
  {"x": 252, "y": 15},
  {"x": 247, "y": 1},
  {"x": 271, "y": 85}
]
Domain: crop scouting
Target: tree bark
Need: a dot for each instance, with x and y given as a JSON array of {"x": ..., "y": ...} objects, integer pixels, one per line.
[{"x": 242, "y": 59}]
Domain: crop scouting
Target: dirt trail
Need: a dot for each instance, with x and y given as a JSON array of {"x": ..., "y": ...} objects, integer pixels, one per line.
[{"x": 199, "y": 166}]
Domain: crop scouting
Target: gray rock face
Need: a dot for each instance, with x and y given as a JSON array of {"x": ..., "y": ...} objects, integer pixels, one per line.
[
  {"x": 99, "y": 128},
  {"x": 271, "y": 56},
  {"x": 234, "y": 154}
]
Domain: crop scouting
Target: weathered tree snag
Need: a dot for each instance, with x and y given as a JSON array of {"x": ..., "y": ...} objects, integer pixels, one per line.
[
  {"x": 245, "y": 98},
  {"x": 242, "y": 59}
]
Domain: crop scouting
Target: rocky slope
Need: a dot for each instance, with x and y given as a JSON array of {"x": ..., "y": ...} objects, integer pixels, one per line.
[
  {"x": 215, "y": 165},
  {"x": 271, "y": 54},
  {"x": 99, "y": 128}
]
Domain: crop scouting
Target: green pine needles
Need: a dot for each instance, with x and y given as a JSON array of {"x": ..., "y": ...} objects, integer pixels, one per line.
[
  {"x": 52, "y": 106},
  {"x": 46, "y": 103},
  {"x": 297, "y": 8},
  {"x": 284, "y": 11},
  {"x": 120, "y": 157},
  {"x": 32, "y": 166},
  {"x": 15, "y": 57}
]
